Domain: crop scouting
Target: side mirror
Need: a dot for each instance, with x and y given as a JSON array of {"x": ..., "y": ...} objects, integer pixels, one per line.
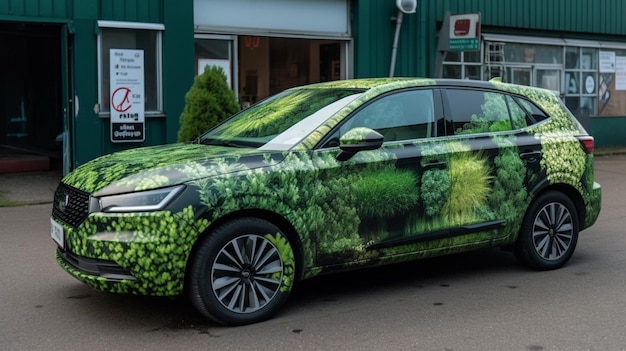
[{"x": 358, "y": 139}]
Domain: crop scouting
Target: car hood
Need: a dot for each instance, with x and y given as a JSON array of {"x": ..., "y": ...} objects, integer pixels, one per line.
[{"x": 159, "y": 166}]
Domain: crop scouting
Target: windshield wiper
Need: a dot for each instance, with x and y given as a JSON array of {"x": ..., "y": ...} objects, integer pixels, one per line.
[{"x": 221, "y": 142}]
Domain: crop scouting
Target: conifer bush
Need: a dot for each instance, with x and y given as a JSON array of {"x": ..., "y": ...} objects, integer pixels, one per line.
[{"x": 208, "y": 102}]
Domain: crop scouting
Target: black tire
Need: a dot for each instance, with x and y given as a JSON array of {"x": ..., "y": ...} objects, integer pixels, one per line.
[
  {"x": 242, "y": 272},
  {"x": 549, "y": 232}
]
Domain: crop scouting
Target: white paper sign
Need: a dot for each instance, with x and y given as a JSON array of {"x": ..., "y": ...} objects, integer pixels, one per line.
[
  {"x": 607, "y": 61},
  {"x": 127, "y": 102},
  {"x": 620, "y": 73}
]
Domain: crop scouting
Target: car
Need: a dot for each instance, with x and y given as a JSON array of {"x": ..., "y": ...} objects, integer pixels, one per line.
[{"x": 330, "y": 177}]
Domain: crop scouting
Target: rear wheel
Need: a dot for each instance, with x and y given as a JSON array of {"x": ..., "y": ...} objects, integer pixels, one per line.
[
  {"x": 242, "y": 272},
  {"x": 549, "y": 232}
]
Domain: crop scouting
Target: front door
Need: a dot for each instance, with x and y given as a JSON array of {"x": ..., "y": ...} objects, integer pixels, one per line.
[{"x": 386, "y": 198}]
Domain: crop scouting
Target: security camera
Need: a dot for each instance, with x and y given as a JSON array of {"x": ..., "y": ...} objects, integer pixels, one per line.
[{"x": 407, "y": 6}]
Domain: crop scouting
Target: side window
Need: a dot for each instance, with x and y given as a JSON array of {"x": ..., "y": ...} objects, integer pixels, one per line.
[
  {"x": 398, "y": 116},
  {"x": 476, "y": 111},
  {"x": 535, "y": 113}
]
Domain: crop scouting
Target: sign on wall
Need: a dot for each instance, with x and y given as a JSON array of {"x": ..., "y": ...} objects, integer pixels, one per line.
[
  {"x": 464, "y": 32},
  {"x": 127, "y": 95}
]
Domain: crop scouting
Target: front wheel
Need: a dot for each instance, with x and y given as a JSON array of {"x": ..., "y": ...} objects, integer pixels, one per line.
[
  {"x": 549, "y": 232},
  {"x": 242, "y": 272}
]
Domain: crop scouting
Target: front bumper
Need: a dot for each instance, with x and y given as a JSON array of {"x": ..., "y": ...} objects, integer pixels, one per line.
[{"x": 138, "y": 253}]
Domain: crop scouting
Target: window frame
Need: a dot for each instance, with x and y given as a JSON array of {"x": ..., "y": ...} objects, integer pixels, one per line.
[{"x": 158, "y": 28}]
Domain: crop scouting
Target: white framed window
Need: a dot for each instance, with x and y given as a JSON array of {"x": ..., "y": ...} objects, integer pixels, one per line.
[
  {"x": 132, "y": 35},
  {"x": 463, "y": 65}
]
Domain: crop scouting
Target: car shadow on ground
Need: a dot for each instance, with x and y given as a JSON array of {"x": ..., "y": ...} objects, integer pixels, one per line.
[{"x": 155, "y": 314}]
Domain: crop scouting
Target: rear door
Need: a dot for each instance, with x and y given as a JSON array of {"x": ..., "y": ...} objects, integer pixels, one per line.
[{"x": 492, "y": 164}]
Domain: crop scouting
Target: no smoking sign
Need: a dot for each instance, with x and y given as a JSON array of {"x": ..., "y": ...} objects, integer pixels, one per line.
[{"x": 127, "y": 95}]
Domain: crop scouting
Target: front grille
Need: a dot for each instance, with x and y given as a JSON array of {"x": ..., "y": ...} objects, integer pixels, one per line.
[{"x": 70, "y": 205}]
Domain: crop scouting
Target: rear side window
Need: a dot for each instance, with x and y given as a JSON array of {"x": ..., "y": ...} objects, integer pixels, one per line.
[
  {"x": 477, "y": 111},
  {"x": 535, "y": 114},
  {"x": 519, "y": 118}
]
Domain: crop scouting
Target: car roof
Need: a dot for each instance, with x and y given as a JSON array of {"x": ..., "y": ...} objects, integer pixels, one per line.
[{"x": 392, "y": 83}]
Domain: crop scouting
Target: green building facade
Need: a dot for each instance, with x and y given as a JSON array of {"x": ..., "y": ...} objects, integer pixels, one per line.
[
  {"x": 575, "y": 47},
  {"x": 54, "y": 98},
  {"x": 55, "y": 95}
]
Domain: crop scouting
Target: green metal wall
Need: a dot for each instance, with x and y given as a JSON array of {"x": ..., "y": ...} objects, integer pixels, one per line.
[
  {"x": 178, "y": 70},
  {"x": 596, "y": 16},
  {"x": 374, "y": 29},
  {"x": 89, "y": 132},
  {"x": 36, "y": 8}
]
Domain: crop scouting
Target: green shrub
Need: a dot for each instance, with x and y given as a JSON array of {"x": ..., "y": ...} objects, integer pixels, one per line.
[{"x": 208, "y": 102}]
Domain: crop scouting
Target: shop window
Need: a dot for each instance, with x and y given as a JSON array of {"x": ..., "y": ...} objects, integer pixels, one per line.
[
  {"x": 268, "y": 65},
  {"x": 591, "y": 81},
  {"x": 122, "y": 35},
  {"x": 525, "y": 53},
  {"x": 581, "y": 80},
  {"x": 216, "y": 51}
]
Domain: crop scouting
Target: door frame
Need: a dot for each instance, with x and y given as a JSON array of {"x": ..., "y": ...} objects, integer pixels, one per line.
[{"x": 68, "y": 99}]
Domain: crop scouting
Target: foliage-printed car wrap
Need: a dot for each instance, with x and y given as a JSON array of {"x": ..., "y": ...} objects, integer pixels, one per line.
[
  {"x": 370, "y": 209},
  {"x": 563, "y": 160}
]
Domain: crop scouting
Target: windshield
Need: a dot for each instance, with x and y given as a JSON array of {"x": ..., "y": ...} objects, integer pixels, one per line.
[{"x": 281, "y": 121}]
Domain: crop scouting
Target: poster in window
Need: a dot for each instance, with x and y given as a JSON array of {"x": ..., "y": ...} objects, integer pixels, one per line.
[
  {"x": 620, "y": 73},
  {"x": 607, "y": 61},
  {"x": 127, "y": 95},
  {"x": 611, "y": 102}
]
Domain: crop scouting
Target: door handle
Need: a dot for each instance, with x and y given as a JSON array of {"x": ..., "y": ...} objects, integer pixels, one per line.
[
  {"x": 436, "y": 165},
  {"x": 531, "y": 156}
]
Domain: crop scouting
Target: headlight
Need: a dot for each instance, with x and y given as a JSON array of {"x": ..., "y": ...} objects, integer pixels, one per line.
[{"x": 151, "y": 200}]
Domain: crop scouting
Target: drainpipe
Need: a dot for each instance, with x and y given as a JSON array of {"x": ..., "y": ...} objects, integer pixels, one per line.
[
  {"x": 404, "y": 6},
  {"x": 394, "y": 50}
]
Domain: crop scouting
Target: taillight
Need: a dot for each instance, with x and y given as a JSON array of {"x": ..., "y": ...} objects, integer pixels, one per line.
[{"x": 587, "y": 143}]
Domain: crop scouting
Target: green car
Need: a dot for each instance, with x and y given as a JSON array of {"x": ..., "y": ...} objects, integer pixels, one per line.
[{"x": 330, "y": 177}]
